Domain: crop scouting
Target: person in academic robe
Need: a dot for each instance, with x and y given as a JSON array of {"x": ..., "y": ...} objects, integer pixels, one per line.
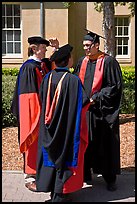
[
  {"x": 26, "y": 105},
  {"x": 63, "y": 132},
  {"x": 101, "y": 77}
]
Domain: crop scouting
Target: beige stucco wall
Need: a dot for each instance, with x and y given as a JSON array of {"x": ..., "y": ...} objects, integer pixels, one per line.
[
  {"x": 31, "y": 22},
  {"x": 77, "y": 24},
  {"x": 132, "y": 41},
  {"x": 67, "y": 25},
  {"x": 94, "y": 23},
  {"x": 123, "y": 10},
  {"x": 56, "y": 24}
]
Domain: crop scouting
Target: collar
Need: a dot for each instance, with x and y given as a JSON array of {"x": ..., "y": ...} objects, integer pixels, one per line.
[
  {"x": 62, "y": 69},
  {"x": 34, "y": 58},
  {"x": 96, "y": 56}
]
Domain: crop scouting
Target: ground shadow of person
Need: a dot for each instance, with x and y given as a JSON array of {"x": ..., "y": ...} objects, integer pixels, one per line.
[{"x": 98, "y": 193}]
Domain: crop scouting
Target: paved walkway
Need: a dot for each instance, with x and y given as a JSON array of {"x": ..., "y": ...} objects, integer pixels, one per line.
[{"x": 13, "y": 189}]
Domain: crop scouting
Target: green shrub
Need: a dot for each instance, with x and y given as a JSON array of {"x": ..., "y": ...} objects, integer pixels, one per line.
[
  {"x": 8, "y": 84},
  {"x": 10, "y": 71},
  {"x": 128, "y": 68},
  {"x": 128, "y": 97}
]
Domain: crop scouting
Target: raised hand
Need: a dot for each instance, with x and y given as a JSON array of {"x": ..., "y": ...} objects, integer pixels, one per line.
[{"x": 54, "y": 42}]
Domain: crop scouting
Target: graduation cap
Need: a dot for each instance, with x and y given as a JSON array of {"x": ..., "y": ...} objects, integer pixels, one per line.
[
  {"x": 94, "y": 37},
  {"x": 61, "y": 53},
  {"x": 37, "y": 40}
]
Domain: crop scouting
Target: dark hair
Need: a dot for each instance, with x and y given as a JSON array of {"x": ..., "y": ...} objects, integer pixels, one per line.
[
  {"x": 63, "y": 62},
  {"x": 97, "y": 40}
]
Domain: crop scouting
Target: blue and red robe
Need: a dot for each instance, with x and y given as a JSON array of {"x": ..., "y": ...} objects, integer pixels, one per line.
[
  {"x": 63, "y": 133},
  {"x": 26, "y": 107}
]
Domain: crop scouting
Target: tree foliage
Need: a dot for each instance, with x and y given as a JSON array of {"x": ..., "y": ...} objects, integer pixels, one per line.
[
  {"x": 108, "y": 26},
  {"x": 66, "y": 4},
  {"x": 99, "y": 6},
  {"x": 131, "y": 5}
]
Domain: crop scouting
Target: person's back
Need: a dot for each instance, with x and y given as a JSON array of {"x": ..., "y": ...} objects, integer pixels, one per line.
[{"x": 61, "y": 146}]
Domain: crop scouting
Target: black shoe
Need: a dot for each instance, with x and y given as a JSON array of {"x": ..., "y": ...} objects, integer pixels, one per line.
[
  {"x": 59, "y": 197},
  {"x": 88, "y": 179},
  {"x": 48, "y": 201},
  {"x": 111, "y": 187},
  {"x": 88, "y": 182}
]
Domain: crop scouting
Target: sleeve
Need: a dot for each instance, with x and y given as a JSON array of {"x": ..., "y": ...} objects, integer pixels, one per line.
[
  {"x": 77, "y": 68},
  {"x": 109, "y": 97},
  {"x": 29, "y": 106},
  {"x": 86, "y": 99}
]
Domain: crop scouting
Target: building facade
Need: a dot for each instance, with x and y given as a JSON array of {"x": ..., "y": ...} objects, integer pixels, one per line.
[{"x": 21, "y": 20}]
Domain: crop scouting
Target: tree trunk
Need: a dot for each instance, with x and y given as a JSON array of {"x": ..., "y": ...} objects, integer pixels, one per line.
[{"x": 109, "y": 28}]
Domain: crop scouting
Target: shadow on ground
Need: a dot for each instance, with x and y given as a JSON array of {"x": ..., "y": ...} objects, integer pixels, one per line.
[
  {"x": 97, "y": 192},
  {"x": 125, "y": 118}
]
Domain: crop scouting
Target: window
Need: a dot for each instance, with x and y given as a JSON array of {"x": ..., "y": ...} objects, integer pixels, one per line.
[
  {"x": 122, "y": 36},
  {"x": 11, "y": 30}
]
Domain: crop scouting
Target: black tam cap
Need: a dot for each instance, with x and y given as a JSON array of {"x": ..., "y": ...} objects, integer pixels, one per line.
[
  {"x": 94, "y": 37},
  {"x": 37, "y": 40},
  {"x": 61, "y": 53}
]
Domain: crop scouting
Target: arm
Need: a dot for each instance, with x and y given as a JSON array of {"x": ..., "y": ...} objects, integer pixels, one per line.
[
  {"x": 108, "y": 98},
  {"x": 55, "y": 44},
  {"x": 77, "y": 68}
]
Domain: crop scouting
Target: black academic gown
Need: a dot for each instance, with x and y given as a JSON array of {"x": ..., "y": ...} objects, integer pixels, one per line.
[
  {"x": 61, "y": 147},
  {"x": 26, "y": 107},
  {"x": 103, "y": 152}
]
